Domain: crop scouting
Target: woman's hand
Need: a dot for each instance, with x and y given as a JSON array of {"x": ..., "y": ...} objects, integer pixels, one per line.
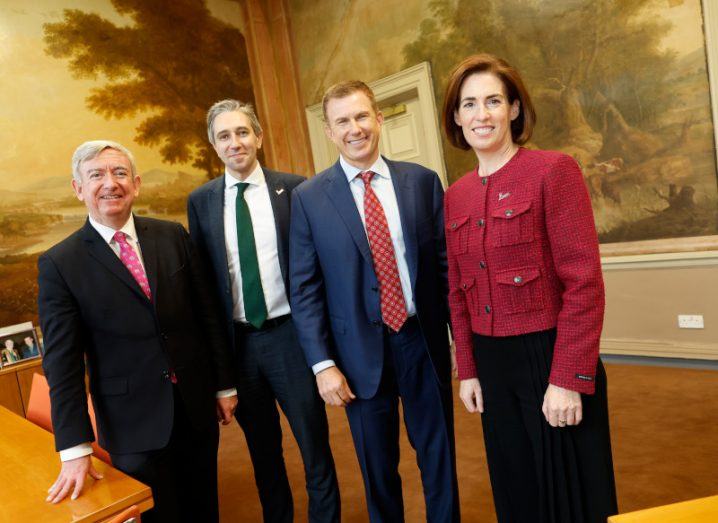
[
  {"x": 561, "y": 406},
  {"x": 470, "y": 394}
]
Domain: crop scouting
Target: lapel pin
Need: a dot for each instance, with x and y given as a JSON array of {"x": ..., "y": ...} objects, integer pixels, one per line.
[
  {"x": 279, "y": 191},
  {"x": 503, "y": 195}
]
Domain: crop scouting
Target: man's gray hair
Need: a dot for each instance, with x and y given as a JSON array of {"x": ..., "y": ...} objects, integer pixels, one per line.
[
  {"x": 89, "y": 150},
  {"x": 227, "y": 106}
]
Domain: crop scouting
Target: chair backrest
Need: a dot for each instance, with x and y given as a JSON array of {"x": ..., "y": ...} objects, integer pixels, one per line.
[
  {"x": 38, "y": 407},
  {"x": 38, "y": 411},
  {"x": 129, "y": 515}
]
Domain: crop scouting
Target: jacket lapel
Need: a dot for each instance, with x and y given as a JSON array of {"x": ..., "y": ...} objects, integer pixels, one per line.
[
  {"x": 279, "y": 197},
  {"x": 148, "y": 246},
  {"x": 406, "y": 200},
  {"x": 103, "y": 254},
  {"x": 337, "y": 188}
]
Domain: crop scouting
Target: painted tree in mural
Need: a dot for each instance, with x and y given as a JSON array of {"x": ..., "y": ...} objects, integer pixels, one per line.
[
  {"x": 171, "y": 63},
  {"x": 605, "y": 90}
]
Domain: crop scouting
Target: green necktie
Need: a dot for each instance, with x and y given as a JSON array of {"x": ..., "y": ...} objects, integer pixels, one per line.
[{"x": 255, "y": 309}]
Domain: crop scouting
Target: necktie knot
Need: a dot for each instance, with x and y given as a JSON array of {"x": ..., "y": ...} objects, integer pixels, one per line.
[
  {"x": 120, "y": 237},
  {"x": 366, "y": 177},
  {"x": 241, "y": 187}
]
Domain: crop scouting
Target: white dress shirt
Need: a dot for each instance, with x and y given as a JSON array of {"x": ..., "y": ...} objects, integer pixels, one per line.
[
  {"x": 265, "y": 239},
  {"x": 383, "y": 187},
  {"x": 108, "y": 233}
]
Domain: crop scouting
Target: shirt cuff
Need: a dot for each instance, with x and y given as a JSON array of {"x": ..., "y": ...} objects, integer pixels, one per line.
[
  {"x": 226, "y": 393},
  {"x": 322, "y": 365},
  {"x": 78, "y": 451}
]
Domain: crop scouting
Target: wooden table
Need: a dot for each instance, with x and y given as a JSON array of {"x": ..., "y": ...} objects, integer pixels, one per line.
[
  {"x": 29, "y": 465},
  {"x": 703, "y": 510}
]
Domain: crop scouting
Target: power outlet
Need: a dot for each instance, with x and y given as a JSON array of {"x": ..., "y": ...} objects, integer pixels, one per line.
[{"x": 690, "y": 321}]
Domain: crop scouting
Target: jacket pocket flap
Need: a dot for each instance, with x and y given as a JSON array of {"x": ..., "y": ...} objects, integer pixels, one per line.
[
  {"x": 513, "y": 211},
  {"x": 518, "y": 277},
  {"x": 112, "y": 386},
  {"x": 466, "y": 284},
  {"x": 456, "y": 223}
]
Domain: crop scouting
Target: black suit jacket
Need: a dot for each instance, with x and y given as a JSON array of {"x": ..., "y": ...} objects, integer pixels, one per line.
[
  {"x": 205, "y": 214},
  {"x": 92, "y": 309}
]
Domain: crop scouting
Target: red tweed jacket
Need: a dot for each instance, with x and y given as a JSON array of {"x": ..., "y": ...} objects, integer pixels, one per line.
[{"x": 523, "y": 257}]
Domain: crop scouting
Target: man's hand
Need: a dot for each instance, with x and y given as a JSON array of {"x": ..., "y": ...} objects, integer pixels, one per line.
[
  {"x": 470, "y": 394},
  {"x": 562, "y": 407},
  {"x": 72, "y": 477},
  {"x": 225, "y": 409},
  {"x": 333, "y": 387}
]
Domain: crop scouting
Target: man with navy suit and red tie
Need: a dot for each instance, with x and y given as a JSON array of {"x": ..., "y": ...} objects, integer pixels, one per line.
[
  {"x": 240, "y": 223},
  {"x": 127, "y": 298},
  {"x": 368, "y": 276}
]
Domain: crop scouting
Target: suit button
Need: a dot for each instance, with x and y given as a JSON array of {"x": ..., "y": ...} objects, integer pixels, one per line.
[
  {"x": 375, "y": 289},
  {"x": 509, "y": 212},
  {"x": 164, "y": 336},
  {"x": 487, "y": 309},
  {"x": 518, "y": 279},
  {"x": 482, "y": 264},
  {"x": 453, "y": 225},
  {"x": 484, "y": 180},
  {"x": 481, "y": 222}
]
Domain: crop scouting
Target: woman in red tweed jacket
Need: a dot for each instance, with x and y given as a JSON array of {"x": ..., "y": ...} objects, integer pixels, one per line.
[{"x": 527, "y": 300}]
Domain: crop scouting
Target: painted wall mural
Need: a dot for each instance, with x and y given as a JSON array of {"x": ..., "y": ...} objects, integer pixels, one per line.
[
  {"x": 142, "y": 73},
  {"x": 621, "y": 85}
]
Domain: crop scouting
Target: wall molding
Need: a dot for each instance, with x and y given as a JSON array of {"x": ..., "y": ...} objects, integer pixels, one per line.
[
  {"x": 667, "y": 260},
  {"x": 663, "y": 349}
]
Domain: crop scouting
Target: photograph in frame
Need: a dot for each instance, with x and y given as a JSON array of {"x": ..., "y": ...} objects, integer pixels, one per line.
[{"x": 18, "y": 343}]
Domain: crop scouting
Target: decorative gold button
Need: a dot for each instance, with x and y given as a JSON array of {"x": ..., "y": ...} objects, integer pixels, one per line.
[
  {"x": 509, "y": 212},
  {"x": 518, "y": 279}
]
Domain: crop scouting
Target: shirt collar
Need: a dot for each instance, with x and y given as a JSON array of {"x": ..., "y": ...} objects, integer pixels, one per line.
[
  {"x": 108, "y": 232},
  {"x": 255, "y": 178},
  {"x": 379, "y": 167}
]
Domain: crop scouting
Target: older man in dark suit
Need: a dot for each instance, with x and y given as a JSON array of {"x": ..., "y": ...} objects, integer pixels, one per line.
[{"x": 128, "y": 295}]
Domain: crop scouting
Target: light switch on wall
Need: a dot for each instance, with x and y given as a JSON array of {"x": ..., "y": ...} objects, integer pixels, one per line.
[{"x": 690, "y": 321}]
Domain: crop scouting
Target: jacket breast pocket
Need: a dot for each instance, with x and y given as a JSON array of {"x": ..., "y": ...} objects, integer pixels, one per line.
[
  {"x": 457, "y": 234},
  {"x": 512, "y": 225},
  {"x": 520, "y": 289}
]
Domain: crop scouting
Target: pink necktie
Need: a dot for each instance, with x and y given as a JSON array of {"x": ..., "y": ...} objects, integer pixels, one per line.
[
  {"x": 393, "y": 307},
  {"x": 129, "y": 258}
]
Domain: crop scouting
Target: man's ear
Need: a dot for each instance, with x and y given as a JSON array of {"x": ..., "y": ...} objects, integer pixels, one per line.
[{"x": 77, "y": 187}]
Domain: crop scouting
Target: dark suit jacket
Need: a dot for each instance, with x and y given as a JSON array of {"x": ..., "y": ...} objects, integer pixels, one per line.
[
  {"x": 91, "y": 309},
  {"x": 205, "y": 214},
  {"x": 334, "y": 289}
]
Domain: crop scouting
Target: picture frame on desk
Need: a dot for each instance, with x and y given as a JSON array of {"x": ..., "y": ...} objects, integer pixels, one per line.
[{"x": 19, "y": 343}]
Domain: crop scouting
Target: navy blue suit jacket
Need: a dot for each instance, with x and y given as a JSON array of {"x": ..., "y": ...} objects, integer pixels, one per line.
[
  {"x": 205, "y": 214},
  {"x": 334, "y": 289}
]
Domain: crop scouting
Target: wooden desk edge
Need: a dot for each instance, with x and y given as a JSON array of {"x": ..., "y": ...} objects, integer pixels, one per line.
[
  {"x": 142, "y": 499},
  {"x": 709, "y": 503}
]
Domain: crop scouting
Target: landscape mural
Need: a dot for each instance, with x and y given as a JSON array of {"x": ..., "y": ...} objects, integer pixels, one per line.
[
  {"x": 620, "y": 85},
  {"x": 142, "y": 73}
]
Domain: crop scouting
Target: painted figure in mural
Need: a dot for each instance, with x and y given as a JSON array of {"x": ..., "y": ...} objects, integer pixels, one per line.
[
  {"x": 527, "y": 300},
  {"x": 240, "y": 223},
  {"x": 129, "y": 295},
  {"x": 368, "y": 293}
]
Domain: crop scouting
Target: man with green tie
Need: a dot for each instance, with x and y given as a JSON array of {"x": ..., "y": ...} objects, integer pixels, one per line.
[{"x": 240, "y": 223}]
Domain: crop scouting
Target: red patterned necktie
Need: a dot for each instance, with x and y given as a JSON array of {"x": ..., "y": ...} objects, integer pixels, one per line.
[
  {"x": 128, "y": 256},
  {"x": 393, "y": 307}
]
